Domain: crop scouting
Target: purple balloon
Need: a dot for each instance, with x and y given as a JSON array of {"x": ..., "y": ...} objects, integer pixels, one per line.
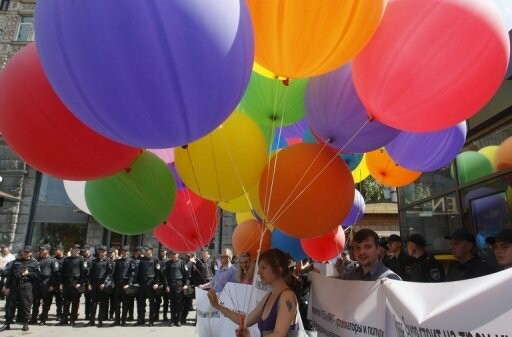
[
  {"x": 356, "y": 212},
  {"x": 334, "y": 112},
  {"x": 427, "y": 151},
  {"x": 179, "y": 183},
  {"x": 151, "y": 74},
  {"x": 295, "y": 130}
]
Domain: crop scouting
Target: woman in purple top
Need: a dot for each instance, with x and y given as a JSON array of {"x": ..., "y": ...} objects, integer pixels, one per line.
[{"x": 276, "y": 313}]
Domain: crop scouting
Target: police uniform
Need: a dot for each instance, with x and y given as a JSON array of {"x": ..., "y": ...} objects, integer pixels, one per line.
[
  {"x": 194, "y": 277},
  {"x": 72, "y": 278},
  {"x": 99, "y": 274},
  {"x": 87, "y": 295},
  {"x": 176, "y": 274},
  {"x": 48, "y": 282},
  {"x": 427, "y": 269},
  {"x": 131, "y": 301},
  {"x": 163, "y": 296},
  {"x": 22, "y": 275},
  {"x": 475, "y": 267},
  {"x": 57, "y": 293},
  {"x": 124, "y": 272},
  {"x": 206, "y": 269},
  {"x": 401, "y": 265},
  {"x": 148, "y": 275}
]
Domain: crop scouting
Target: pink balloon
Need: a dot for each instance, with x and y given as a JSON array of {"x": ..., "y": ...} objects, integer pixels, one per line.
[
  {"x": 325, "y": 247},
  {"x": 167, "y": 155},
  {"x": 191, "y": 224},
  {"x": 432, "y": 64}
]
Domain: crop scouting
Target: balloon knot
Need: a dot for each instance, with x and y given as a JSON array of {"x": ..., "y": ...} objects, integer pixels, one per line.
[
  {"x": 128, "y": 170},
  {"x": 184, "y": 147},
  {"x": 286, "y": 82},
  {"x": 370, "y": 117},
  {"x": 329, "y": 140},
  {"x": 165, "y": 222}
]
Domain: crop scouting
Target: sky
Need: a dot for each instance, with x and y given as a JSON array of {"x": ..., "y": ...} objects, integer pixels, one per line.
[{"x": 505, "y": 7}]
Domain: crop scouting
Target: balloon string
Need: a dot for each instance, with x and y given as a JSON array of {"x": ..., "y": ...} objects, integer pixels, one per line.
[
  {"x": 278, "y": 215},
  {"x": 215, "y": 162},
  {"x": 193, "y": 215},
  {"x": 193, "y": 170}
]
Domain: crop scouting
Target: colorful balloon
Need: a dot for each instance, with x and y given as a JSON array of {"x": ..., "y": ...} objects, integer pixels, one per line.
[
  {"x": 293, "y": 133},
  {"x": 44, "y": 133},
  {"x": 356, "y": 212},
  {"x": 306, "y": 190},
  {"x": 181, "y": 72},
  {"x": 336, "y": 115},
  {"x": 288, "y": 244},
  {"x": 427, "y": 151},
  {"x": 471, "y": 166},
  {"x": 432, "y": 64},
  {"x": 274, "y": 102},
  {"x": 247, "y": 237},
  {"x": 325, "y": 247},
  {"x": 241, "y": 217},
  {"x": 218, "y": 165},
  {"x": 503, "y": 156},
  {"x": 75, "y": 190},
  {"x": 361, "y": 172},
  {"x": 490, "y": 153},
  {"x": 167, "y": 155},
  {"x": 387, "y": 172},
  {"x": 191, "y": 225},
  {"x": 134, "y": 200},
  {"x": 299, "y": 39}
]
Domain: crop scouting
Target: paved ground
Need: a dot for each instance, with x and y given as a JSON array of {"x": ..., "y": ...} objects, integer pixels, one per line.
[{"x": 159, "y": 329}]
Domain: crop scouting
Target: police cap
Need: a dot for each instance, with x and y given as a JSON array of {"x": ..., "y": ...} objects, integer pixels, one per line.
[
  {"x": 503, "y": 236},
  {"x": 418, "y": 240},
  {"x": 102, "y": 247},
  {"x": 44, "y": 247},
  {"x": 111, "y": 250},
  {"x": 394, "y": 238},
  {"x": 27, "y": 249},
  {"x": 461, "y": 234},
  {"x": 139, "y": 248},
  {"x": 76, "y": 246},
  {"x": 148, "y": 247},
  {"x": 125, "y": 248}
]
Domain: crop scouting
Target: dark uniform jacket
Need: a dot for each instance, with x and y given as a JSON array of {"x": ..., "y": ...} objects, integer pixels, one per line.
[
  {"x": 73, "y": 271},
  {"x": 125, "y": 270},
  {"x": 49, "y": 275},
  {"x": 150, "y": 272},
  {"x": 14, "y": 277},
  {"x": 475, "y": 267},
  {"x": 206, "y": 269},
  {"x": 427, "y": 269},
  {"x": 176, "y": 275},
  {"x": 401, "y": 265}
]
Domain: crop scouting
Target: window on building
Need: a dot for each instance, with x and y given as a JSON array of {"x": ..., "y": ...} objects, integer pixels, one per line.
[
  {"x": 26, "y": 29},
  {"x": 4, "y": 5}
]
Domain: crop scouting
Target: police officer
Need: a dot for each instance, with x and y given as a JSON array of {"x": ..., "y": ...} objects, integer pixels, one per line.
[
  {"x": 425, "y": 267},
  {"x": 176, "y": 274},
  {"x": 112, "y": 255},
  {"x": 72, "y": 283},
  {"x": 124, "y": 273},
  {"x": 206, "y": 266},
  {"x": 85, "y": 252},
  {"x": 99, "y": 275},
  {"x": 48, "y": 282},
  {"x": 137, "y": 256},
  {"x": 23, "y": 274},
  {"x": 162, "y": 259},
  {"x": 194, "y": 278},
  {"x": 149, "y": 277},
  {"x": 58, "y": 255},
  {"x": 399, "y": 262}
]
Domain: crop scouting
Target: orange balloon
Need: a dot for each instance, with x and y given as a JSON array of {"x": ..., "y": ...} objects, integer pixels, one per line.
[
  {"x": 386, "y": 171},
  {"x": 306, "y": 190},
  {"x": 247, "y": 236},
  {"x": 299, "y": 39},
  {"x": 503, "y": 156}
]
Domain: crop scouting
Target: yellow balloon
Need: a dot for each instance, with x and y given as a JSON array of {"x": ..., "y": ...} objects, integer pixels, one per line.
[
  {"x": 265, "y": 72},
  {"x": 219, "y": 164},
  {"x": 241, "y": 217},
  {"x": 490, "y": 152},
  {"x": 240, "y": 204},
  {"x": 361, "y": 172}
]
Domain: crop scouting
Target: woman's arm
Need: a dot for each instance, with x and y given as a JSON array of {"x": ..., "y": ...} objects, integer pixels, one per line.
[{"x": 286, "y": 314}]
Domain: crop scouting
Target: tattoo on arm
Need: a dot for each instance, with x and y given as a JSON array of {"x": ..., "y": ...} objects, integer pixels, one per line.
[{"x": 289, "y": 305}]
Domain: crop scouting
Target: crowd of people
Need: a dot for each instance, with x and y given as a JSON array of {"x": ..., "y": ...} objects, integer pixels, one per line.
[{"x": 114, "y": 282}]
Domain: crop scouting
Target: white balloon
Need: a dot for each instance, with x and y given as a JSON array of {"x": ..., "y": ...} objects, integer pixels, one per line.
[{"x": 76, "y": 192}]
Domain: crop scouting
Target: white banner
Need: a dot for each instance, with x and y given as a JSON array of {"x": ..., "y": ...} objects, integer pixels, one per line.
[{"x": 480, "y": 307}]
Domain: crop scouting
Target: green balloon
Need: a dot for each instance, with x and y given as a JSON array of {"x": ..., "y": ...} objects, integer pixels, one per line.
[
  {"x": 135, "y": 200},
  {"x": 471, "y": 166},
  {"x": 270, "y": 102}
]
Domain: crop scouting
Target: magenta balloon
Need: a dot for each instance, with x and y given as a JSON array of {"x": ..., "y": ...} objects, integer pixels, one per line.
[
  {"x": 154, "y": 74},
  {"x": 432, "y": 64},
  {"x": 334, "y": 111},
  {"x": 356, "y": 212},
  {"x": 427, "y": 151},
  {"x": 167, "y": 155}
]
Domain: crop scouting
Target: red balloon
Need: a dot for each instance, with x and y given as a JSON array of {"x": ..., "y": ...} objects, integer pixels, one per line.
[
  {"x": 191, "y": 224},
  {"x": 432, "y": 64},
  {"x": 44, "y": 133},
  {"x": 325, "y": 247},
  {"x": 247, "y": 236}
]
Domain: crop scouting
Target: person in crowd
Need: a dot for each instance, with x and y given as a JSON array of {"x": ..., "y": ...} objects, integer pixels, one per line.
[
  {"x": 99, "y": 274},
  {"x": 206, "y": 266},
  {"x": 194, "y": 277},
  {"x": 176, "y": 275},
  {"x": 425, "y": 267},
  {"x": 276, "y": 312},
  {"x": 137, "y": 256},
  {"x": 72, "y": 284},
  {"x": 124, "y": 273},
  {"x": 58, "y": 255},
  {"x": 383, "y": 251},
  {"x": 225, "y": 274},
  {"x": 245, "y": 268},
  {"x": 20, "y": 280},
  {"x": 6, "y": 257},
  {"x": 502, "y": 246},
  {"x": 48, "y": 282},
  {"x": 150, "y": 277},
  {"x": 162, "y": 296},
  {"x": 365, "y": 244},
  {"x": 399, "y": 262},
  {"x": 85, "y": 252},
  {"x": 344, "y": 264},
  {"x": 469, "y": 264}
]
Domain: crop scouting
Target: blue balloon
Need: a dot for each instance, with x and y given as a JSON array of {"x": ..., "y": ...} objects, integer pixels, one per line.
[
  {"x": 287, "y": 244},
  {"x": 352, "y": 159},
  {"x": 278, "y": 143},
  {"x": 151, "y": 74},
  {"x": 356, "y": 212},
  {"x": 308, "y": 137},
  {"x": 427, "y": 151}
]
